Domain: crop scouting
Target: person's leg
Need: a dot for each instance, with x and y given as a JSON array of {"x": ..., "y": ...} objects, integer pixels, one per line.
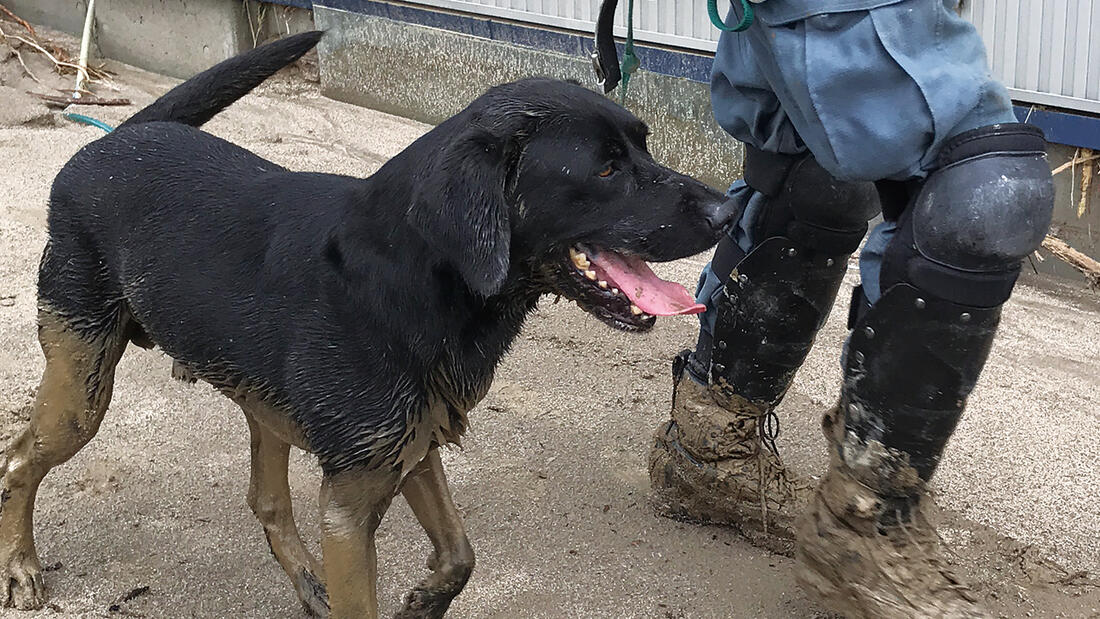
[
  {"x": 895, "y": 91},
  {"x": 911, "y": 361},
  {"x": 769, "y": 288},
  {"x": 902, "y": 92}
]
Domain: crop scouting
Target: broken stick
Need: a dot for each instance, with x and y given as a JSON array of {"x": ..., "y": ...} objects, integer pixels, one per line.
[
  {"x": 18, "y": 20},
  {"x": 1087, "y": 266},
  {"x": 85, "y": 100}
]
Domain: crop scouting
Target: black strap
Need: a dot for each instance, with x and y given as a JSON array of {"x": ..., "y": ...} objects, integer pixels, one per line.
[
  {"x": 767, "y": 172},
  {"x": 726, "y": 256},
  {"x": 605, "y": 59},
  {"x": 858, "y": 307}
]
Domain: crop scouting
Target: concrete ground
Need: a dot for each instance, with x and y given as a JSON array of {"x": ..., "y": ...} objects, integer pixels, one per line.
[{"x": 150, "y": 519}]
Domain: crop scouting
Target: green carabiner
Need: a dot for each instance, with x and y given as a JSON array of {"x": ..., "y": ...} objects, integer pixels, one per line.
[{"x": 747, "y": 17}]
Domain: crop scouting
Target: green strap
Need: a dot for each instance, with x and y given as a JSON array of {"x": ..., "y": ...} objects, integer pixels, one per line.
[
  {"x": 747, "y": 17},
  {"x": 630, "y": 61},
  {"x": 88, "y": 120}
]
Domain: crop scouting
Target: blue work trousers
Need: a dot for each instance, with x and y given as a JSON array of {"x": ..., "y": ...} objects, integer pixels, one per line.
[{"x": 872, "y": 88}]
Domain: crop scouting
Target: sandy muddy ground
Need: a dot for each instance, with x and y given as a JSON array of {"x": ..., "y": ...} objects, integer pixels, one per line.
[{"x": 552, "y": 480}]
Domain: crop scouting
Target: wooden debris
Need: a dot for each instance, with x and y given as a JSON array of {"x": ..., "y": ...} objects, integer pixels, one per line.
[
  {"x": 19, "y": 56},
  {"x": 1087, "y": 266},
  {"x": 84, "y": 100},
  {"x": 85, "y": 41},
  {"x": 60, "y": 59},
  {"x": 1088, "y": 170},
  {"x": 38, "y": 46},
  {"x": 1073, "y": 162},
  {"x": 18, "y": 20}
]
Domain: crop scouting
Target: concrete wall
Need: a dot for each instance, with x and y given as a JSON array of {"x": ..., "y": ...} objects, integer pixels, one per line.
[
  {"x": 171, "y": 37},
  {"x": 430, "y": 74},
  {"x": 271, "y": 21}
]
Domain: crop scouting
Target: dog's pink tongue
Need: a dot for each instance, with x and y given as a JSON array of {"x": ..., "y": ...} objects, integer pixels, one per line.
[{"x": 650, "y": 293}]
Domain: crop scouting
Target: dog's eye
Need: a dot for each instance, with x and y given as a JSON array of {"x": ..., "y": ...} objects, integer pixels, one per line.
[{"x": 608, "y": 171}]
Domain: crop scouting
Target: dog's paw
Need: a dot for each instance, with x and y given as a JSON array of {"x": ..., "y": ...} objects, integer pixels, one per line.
[
  {"x": 23, "y": 586},
  {"x": 423, "y": 603},
  {"x": 183, "y": 372},
  {"x": 312, "y": 594}
]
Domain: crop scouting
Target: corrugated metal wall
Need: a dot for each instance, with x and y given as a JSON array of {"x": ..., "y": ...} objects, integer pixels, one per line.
[
  {"x": 682, "y": 23},
  {"x": 1045, "y": 51}
]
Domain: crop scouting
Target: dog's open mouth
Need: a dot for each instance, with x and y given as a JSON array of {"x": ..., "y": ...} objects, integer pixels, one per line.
[{"x": 620, "y": 289}]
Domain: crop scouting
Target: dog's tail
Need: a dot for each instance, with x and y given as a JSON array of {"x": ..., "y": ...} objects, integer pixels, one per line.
[{"x": 200, "y": 98}]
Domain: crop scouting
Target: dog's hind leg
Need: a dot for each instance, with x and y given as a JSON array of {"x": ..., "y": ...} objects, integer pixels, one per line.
[
  {"x": 269, "y": 498},
  {"x": 425, "y": 488},
  {"x": 71, "y": 400},
  {"x": 352, "y": 505}
]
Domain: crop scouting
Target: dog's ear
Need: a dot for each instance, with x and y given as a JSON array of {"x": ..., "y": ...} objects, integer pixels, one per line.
[{"x": 461, "y": 209}]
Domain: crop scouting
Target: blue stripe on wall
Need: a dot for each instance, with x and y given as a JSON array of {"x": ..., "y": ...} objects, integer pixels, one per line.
[
  {"x": 301, "y": 4},
  {"x": 1073, "y": 129},
  {"x": 1063, "y": 127}
]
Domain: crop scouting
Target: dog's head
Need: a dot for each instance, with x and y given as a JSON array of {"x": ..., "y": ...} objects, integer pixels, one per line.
[{"x": 551, "y": 182}]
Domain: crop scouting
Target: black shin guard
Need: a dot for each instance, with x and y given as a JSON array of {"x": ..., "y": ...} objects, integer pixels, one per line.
[
  {"x": 768, "y": 315},
  {"x": 776, "y": 298},
  {"x": 914, "y": 356},
  {"x": 910, "y": 364}
]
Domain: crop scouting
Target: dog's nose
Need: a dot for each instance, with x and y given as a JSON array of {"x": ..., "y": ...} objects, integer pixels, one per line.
[{"x": 721, "y": 214}]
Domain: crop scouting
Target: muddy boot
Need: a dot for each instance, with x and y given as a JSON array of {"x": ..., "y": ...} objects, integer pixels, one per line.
[
  {"x": 714, "y": 462},
  {"x": 866, "y": 549},
  {"x": 716, "y": 459}
]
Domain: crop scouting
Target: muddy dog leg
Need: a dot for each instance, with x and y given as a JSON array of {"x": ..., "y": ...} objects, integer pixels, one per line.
[
  {"x": 352, "y": 505},
  {"x": 71, "y": 400},
  {"x": 426, "y": 490},
  {"x": 269, "y": 498}
]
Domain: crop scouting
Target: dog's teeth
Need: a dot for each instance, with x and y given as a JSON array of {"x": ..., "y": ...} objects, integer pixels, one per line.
[
  {"x": 614, "y": 291},
  {"x": 603, "y": 284},
  {"x": 634, "y": 309},
  {"x": 579, "y": 259},
  {"x": 590, "y": 275}
]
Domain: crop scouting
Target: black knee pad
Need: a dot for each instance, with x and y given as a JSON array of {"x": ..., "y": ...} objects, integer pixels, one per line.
[
  {"x": 984, "y": 208},
  {"x": 807, "y": 204}
]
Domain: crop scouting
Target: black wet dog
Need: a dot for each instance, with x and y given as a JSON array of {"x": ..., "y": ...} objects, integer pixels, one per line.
[{"x": 359, "y": 319}]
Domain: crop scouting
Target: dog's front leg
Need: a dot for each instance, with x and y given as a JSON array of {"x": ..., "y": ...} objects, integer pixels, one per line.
[
  {"x": 352, "y": 505},
  {"x": 425, "y": 488}
]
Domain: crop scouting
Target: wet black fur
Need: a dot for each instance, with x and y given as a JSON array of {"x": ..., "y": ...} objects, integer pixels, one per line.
[{"x": 353, "y": 302}]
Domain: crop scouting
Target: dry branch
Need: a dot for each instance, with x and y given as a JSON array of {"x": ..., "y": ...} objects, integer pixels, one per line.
[
  {"x": 1088, "y": 170},
  {"x": 19, "y": 56},
  {"x": 84, "y": 100},
  {"x": 18, "y": 20},
  {"x": 1087, "y": 266},
  {"x": 59, "y": 59},
  {"x": 1073, "y": 163}
]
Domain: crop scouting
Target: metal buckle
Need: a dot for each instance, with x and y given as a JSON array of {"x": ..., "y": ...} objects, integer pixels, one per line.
[{"x": 601, "y": 77}]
